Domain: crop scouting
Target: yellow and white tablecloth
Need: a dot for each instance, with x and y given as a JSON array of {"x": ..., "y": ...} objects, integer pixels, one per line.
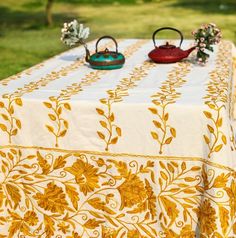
[{"x": 146, "y": 151}]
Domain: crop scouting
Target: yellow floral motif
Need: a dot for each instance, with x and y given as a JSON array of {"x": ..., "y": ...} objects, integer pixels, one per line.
[
  {"x": 165, "y": 133},
  {"x": 207, "y": 216},
  {"x": 53, "y": 199},
  {"x": 216, "y": 100},
  {"x": 187, "y": 232},
  {"x": 22, "y": 225},
  {"x": 181, "y": 194},
  {"x": 77, "y": 195},
  {"x": 63, "y": 227},
  {"x": 132, "y": 191},
  {"x": 108, "y": 232},
  {"x": 31, "y": 218},
  {"x": 112, "y": 131},
  {"x": 85, "y": 175}
]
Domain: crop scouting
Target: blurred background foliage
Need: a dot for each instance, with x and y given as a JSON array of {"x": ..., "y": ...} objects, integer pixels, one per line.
[{"x": 28, "y": 35}]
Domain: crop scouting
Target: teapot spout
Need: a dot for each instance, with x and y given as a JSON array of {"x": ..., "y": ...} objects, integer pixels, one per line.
[
  {"x": 87, "y": 57},
  {"x": 187, "y": 52}
]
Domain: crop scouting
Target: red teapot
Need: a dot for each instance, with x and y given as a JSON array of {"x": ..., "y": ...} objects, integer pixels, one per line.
[{"x": 168, "y": 53}]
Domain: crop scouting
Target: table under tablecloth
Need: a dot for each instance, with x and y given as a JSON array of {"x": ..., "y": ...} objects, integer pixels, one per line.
[{"x": 144, "y": 151}]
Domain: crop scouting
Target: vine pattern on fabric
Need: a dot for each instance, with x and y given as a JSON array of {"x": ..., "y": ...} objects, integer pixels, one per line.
[
  {"x": 29, "y": 71},
  {"x": 216, "y": 100},
  {"x": 11, "y": 124},
  {"x": 232, "y": 139},
  {"x": 32, "y": 69},
  {"x": 111, "y": 131},
  {"x": 164, "y": 133},
  {"x": 59, "y": 125},
  {"x": 57, "y": 104}
]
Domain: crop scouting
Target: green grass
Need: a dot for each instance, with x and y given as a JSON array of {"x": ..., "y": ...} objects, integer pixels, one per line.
[{"x": 25, "y": 40}]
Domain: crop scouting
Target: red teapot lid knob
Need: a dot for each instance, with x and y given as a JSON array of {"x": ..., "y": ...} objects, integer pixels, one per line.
[{"x": 167, "y": 46}]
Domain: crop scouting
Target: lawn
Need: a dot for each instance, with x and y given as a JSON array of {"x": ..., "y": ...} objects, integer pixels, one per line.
[{"x": 25, "y": 40}]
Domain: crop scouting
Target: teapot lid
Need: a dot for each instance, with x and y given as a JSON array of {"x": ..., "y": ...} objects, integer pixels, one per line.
[
  {"x": 167, "y": 46},
  {"x": 106, "y": 54}
]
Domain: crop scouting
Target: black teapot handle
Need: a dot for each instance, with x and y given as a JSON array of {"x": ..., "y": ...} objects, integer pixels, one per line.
[
  {"x": 106, "y": 37},
  {"x": 168, "y": 28}
]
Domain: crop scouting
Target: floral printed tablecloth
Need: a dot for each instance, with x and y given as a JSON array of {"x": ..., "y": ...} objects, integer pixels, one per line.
[{"x": 144, "y": 151}]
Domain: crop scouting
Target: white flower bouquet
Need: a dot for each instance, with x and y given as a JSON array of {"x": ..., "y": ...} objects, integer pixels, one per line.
[
  {"x": 206, "y": 36},
  {"x": 74, "y": 33}
]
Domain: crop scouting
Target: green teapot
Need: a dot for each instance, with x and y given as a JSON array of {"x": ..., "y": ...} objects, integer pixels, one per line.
[{"x": 105, "y": 59}]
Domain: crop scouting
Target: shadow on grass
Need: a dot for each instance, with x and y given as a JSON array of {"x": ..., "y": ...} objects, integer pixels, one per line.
[
  {"x": 29, "y": 20},
  {"x": 212, "y": 7}
]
